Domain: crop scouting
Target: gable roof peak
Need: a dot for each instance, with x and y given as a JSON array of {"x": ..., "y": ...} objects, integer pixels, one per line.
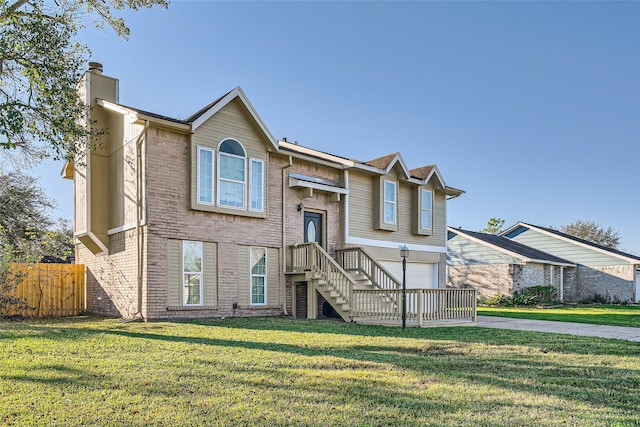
[
  {"x": 422, "y": 172},
  {"x": 210, "y": 110},
  {"x": 383, "y": 162}
]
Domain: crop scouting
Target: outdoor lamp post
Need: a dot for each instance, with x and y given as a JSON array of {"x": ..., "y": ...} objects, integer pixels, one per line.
[{"x": 404, "y": 253}]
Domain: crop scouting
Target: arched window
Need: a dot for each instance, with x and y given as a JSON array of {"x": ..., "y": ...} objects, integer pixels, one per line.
[
  {"x": 226, "y": 177},
  {"x": 232, "y": 174}
]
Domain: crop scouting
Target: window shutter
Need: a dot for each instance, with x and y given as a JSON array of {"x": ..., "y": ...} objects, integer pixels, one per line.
[
  {"x": 174, "y": 272},
  {"x": 210, "y": 285},
  {"x": 244, "y": 276},
  {"x": 273, "y": 284}
]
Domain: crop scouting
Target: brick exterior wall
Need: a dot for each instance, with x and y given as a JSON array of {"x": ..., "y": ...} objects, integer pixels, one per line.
[
  {"x": 487, "y": 279},
  {"x": 169, "y": 217},
  {"x": 319, "y": 202},
  {"x": 442, "y": 271},
  {"x": 111, "y": 283},
  {"x": 614, "y": 282},
  {"x": 505, "y": 279}
]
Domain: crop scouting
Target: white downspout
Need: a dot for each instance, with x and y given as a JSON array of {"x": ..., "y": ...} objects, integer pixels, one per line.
[
  {"x": 139, "y": 214},
  {"x": 284, "y": 230},
  {"x": 346, "y": 208}
]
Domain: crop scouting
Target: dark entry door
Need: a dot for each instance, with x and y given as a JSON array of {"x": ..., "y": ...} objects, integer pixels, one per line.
[{"x": 313, "y": 227}]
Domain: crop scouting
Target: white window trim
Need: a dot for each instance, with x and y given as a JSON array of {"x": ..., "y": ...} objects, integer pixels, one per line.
[
  {"x": 213, "y": 176},
  {"x": 424, "y": 191},
  {"x": 183, "y": 273},
  {"x": 244, "y": 183},
  {"x": 262, "y": 185},
  {"x": 394, "y": 202},
  {"x": 265, "y": 275}
]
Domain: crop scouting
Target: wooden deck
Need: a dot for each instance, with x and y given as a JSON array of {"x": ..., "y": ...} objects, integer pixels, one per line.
[{"x": 379, "y": 302}]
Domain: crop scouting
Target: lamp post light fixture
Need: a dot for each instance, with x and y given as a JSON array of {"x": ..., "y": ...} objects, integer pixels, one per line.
[{"x": 404, "y": 253}]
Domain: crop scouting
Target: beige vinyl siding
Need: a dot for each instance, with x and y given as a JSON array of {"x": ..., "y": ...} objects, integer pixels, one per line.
[
  {"x": 174, "y": 273},
  {"x": 362, "y": 206},
  {"x": 210, "y": 279},
  {"x": 244, "y": 276},
  {"x": 272, "y": 276},
  {"x": 363, "y": 214},
  {"x": 228, "y": 123}
]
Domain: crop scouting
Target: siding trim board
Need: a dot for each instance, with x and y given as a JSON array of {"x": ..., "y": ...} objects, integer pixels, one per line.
[{"x": 394, "y": 245}]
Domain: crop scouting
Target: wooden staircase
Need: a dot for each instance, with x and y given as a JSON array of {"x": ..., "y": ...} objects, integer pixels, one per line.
[
  {"x": 360, "y": 290},
  {"x": 325, "y": 276}
]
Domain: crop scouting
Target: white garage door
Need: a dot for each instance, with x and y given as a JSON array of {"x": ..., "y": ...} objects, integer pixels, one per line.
[{"x": 419, "y": 275}]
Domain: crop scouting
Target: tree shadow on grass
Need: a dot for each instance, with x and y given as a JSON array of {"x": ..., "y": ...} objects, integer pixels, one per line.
[
  {"x": 519, "y": 372},
  {"x": 464, "y": 334},
  {"x": 446, "y": 353}
]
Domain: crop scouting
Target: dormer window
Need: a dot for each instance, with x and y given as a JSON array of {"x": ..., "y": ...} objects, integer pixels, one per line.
[
  {"x": 426, "y": 209},
  {"x": 422, "y": 211},
  {"x": 390, "y": 202}
]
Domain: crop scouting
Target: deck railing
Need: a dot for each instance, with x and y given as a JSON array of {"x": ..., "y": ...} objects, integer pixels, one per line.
[
  {"x": 423, "y": 305},
  {"x": 357, "y": 260},
  {"x": 311, "y": 257}
]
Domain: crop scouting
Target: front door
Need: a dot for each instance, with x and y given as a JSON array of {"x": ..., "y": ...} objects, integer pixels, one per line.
[{"x": 313, "y": 227}]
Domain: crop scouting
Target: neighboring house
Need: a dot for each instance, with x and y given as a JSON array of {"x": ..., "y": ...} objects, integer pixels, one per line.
[
  {"x": 212, "y": 216},
  {"x": 610, "y": 273},
  {"x": 497, "y": 265}
]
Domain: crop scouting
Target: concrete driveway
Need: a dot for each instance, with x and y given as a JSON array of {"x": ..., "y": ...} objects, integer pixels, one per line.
[{"x": 582, "y": 329}]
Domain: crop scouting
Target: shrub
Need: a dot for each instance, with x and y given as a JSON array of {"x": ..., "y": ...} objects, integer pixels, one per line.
[
  {"x": 536, "y": 295},
  {"x": 498, "y": 299}
]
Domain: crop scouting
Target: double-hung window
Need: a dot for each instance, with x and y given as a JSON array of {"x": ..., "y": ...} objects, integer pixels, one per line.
[
  {"x": 232, "y": 176},
  {"x": 390, "y": 202},
  {"x": 205, "y": 175},
  {"x": 258, "y": 275},
  {"x": 257, "y": 185},
  {"x": 191, "y": 273},
  {"x": 426, "y": 209}
]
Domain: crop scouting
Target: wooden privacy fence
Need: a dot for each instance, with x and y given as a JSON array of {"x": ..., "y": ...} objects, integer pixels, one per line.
[{"x": 47, "y": 290}]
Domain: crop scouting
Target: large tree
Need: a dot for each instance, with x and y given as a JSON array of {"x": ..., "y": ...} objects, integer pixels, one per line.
[
  {"x": 41, "y": 63},
  {"x": 27, "y": 231},
  {"x": 494, "y": 226},
  {"x": 593, "y": 232}
]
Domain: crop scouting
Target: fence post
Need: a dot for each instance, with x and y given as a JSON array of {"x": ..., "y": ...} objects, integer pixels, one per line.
[{"x": 420, "y": 308}]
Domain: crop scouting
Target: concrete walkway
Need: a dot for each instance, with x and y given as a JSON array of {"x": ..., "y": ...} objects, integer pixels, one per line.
[{"x": 583, "y": 329}]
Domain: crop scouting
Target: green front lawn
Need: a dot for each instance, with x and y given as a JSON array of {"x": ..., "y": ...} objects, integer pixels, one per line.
[
  {"x": 271, "y": 372},
  {"x": 615, "y": 315}
]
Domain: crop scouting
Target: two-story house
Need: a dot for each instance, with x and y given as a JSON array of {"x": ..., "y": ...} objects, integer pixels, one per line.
[{"x": 211, "y": 216}]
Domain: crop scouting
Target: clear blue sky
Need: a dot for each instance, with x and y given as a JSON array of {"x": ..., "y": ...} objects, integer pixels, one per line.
[{"x": 532, "y": 108}]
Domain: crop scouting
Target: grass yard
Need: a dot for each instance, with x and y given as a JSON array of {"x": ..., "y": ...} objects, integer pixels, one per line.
[
  {"x": 614, "y": 315},
  {"x": 272, "y": 372}
]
